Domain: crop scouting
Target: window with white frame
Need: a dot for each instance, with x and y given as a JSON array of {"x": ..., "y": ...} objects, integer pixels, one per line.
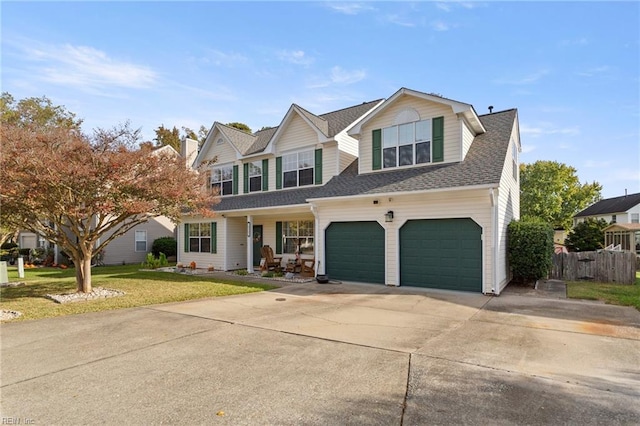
[
  {"x": 222, "y": 179},
  {"x": 141, "y": 241},
  {"x": 297, "y": 237},
  {"x": 635, "y": 217},
  {"x": 255, "y": 176},
  {"x": 200, "y": 237},
  {"x": 297, "y": 169},
  {"x": 406, "y": 144}
]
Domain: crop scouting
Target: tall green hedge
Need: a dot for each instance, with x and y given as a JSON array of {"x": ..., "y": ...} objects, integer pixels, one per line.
[
  {"x": 530, "y": 249},
  {"x": 166, "y": 245}
]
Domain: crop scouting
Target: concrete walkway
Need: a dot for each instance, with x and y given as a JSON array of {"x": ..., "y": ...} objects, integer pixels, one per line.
[{"x": 329, "y": 354}]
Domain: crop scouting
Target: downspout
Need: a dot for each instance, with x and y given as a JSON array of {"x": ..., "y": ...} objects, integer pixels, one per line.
[
  {"x": 493, "y": 195},
  {"x": 316, "y": 234}
]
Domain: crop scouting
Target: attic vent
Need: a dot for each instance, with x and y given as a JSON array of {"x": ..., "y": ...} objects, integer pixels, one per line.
[
  {"x": 407, "y": 115},
  {"x": 490, "y": 109}
]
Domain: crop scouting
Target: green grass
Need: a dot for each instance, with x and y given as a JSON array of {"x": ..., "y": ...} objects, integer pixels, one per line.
[
  {"x": 141, "y": 288},
  {"x": 615, "y": 294}
]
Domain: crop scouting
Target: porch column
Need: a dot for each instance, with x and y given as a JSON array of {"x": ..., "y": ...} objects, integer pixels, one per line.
[{"x": 250, "y": 244}]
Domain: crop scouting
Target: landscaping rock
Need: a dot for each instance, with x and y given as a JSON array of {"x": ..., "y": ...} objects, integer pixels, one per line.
[
  {"x": 97, "y": 293},
  {"x": 6, "y": 315}
]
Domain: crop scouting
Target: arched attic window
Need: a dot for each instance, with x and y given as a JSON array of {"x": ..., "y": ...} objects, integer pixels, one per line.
[{"x": 406, "y": 115}]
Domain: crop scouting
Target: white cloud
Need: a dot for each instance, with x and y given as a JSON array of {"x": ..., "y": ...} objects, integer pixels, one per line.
[
  {"x": 543, "y": 129},
  {"x": 398, "y": 20},
  {"x": 86, "y": 68},
  {"x": 340, "y": 76},
  {"x": 593, "y": 72},
  {"x": 298, "y": 57},
  {"x": 526, "y": 148},
  {"x": 527, "y": 79},
  {"x": 592, "y": 164},
  {"x": 229, "y": 59},
  {"x": 440, "y": 26},
  {"x": 349, "y": 8}
]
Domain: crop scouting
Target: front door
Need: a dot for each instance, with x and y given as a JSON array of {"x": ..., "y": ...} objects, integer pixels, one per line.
[{"x": 257, "y": 244}]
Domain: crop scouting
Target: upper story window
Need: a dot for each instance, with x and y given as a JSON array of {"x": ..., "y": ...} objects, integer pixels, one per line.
[
  {"x": 406, "y": 144},
  {"x": 635, "y": 217},
  {"x": 297, "y": 169},
  {"x": 255, "y": 176},
  {"x": 614, "y": 218},
  {"x": 222, "y": 179}
]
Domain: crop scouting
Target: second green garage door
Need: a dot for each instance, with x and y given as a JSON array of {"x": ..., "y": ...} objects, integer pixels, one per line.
[
  {"x": 355, "y": 252},
  {"x": 441, "y": 253}
]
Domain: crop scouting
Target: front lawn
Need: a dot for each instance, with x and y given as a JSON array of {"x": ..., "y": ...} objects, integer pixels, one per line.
[
  {"x": 141, "y": 288},
  {"x": 615, "y": 294}
]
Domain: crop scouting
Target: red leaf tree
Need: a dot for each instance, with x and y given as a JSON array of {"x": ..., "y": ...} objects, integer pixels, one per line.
[{"x": 80, "y": 192}]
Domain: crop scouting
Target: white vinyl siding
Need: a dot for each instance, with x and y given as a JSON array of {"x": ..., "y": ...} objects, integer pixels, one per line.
[
  {"x": 467, "y": 138},
  {"x": 203, "y": 260},
  {"x": 426, "y": 110},
  {"x": 224, "y": 152},
  {"x": 297, "y": 135}
]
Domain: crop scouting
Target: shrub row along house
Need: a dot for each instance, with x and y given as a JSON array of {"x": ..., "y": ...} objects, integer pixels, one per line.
[{"x": 413, "y": 190}]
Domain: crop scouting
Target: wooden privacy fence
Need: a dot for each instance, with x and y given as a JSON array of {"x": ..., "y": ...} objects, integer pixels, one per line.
[{"x": 600, "y": 266}]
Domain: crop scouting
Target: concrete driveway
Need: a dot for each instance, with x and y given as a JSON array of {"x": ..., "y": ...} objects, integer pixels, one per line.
[{"x": 329, "y": 354}]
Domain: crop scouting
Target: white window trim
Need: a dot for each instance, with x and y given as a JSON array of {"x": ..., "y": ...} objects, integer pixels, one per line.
[
  {"x": 412, "y": 144},
  {"x": 258, "y": 165},
  {"x": 298, "y": 169},
  {"x": 220, "y": 182},
  {"x": 285, "y": 237},
  {"x": 136, "y": 240}
]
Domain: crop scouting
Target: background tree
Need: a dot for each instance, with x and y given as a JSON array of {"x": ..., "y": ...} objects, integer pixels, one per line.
[
  {"x": 240, "y": 126},
  {"x": 587, "y": 235},
  {"x": 173, "y": 137},
  {"x": 166, "y": 136},
  {"x": 552, "y": 192},
  {"x": 36, "y": 112},
  {"x": 75, "y": 189}
]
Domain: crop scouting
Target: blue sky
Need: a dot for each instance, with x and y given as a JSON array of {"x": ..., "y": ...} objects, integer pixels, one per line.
[{"x": 572, "y": 69}]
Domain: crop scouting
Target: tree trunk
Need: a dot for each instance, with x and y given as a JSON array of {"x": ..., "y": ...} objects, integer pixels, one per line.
[{"x": 83, "y": 275}]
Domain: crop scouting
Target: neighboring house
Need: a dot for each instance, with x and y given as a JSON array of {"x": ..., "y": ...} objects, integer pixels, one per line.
[
  {"x": 131, "y": 247},
  {"x": 413, "y": 190},
  {"x": 623, "y": 209},
  {"x": 623, "y": 214}
]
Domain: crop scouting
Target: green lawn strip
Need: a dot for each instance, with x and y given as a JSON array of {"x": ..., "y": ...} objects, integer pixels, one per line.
[
  {"x": 141, "y": 288},
  {"x": 615, "y": 294}
]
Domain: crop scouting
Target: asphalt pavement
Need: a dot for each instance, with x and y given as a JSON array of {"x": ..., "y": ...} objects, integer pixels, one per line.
[{"x": 329, "y": 354}]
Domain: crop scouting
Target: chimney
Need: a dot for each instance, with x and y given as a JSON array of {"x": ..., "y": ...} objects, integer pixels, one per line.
[
  {"x": 490, "y": 109},
  {"x": 189, "y": 151}
]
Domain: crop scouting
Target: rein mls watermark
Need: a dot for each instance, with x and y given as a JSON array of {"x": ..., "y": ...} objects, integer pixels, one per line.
[{"x": 17, "y": 421}]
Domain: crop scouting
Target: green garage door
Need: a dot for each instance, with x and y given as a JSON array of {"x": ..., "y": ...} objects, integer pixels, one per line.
[
  {"x": 441, "y": 253},
  {"x": 355, "y": 251}
]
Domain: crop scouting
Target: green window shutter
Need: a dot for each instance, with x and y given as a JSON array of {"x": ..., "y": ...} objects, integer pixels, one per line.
[
  {"x": 265, "y": 174},
  {"x": 278, "y": 237},
  {"x": 235, "y": 180},
  {"x": 318, "y": 168},
  {"x": 376, "y": 135},
  {"x": 186, "y": 238},
  {"x": 438, "y": 139},
  {"x": 214, "y": 237},
  {"x": 278, "y": 172},
  {"x": 246, "y": 178}
]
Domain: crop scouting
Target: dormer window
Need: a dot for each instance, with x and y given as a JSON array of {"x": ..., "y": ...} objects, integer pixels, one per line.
[
  {"x": 222, "y": 179},
  {"x": 406, "y": 144}
]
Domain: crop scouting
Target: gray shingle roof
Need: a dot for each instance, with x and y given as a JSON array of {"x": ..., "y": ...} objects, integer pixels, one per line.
[
  {"x": 319, "y": 122},
  {"x": 611, "y": 205},
  {"x": 483, "y": 165},
  {"x": 262, "y": 140},
  {"x": 241, "y": 140},
  {"x": 341, "y": 119}
]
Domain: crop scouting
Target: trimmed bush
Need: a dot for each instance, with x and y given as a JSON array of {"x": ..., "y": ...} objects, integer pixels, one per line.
[
  {"x": 587, "y": 235},
  {"x": 166, "y": 245},
  {"x": 530, "y": 249}
]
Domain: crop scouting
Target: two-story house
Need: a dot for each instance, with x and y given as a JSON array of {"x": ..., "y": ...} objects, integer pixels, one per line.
[
  {"x": 413, "y": 190},
  {"x": 623, "y": 214}
]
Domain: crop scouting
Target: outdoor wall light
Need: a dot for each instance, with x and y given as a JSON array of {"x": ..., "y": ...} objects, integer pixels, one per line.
[{"x": 388, "y": 217}]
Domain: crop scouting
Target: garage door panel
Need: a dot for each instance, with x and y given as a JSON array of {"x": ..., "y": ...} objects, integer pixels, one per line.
[
  {"x": 441, "y": 253},
  {"x": 355, "y": 251}
]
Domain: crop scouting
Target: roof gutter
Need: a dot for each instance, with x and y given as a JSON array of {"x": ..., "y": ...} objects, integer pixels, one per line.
[{"x": 396, "y": 193}]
